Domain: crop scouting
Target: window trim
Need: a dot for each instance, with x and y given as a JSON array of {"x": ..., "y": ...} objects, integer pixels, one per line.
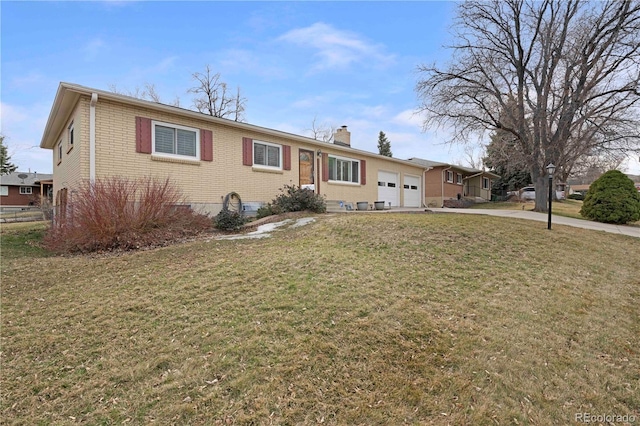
[
  {"x": 449, "y": 173},
  {"x": 264, "y": 166},
  {"x": 70, "y": 136},
  {"x": 459, "y": 178},
  {"x": 60, "y": 152},
  {"x": 155, "y": 123},
  {"x": 23, "y": 190},
  {"x": 351, "y": 160},
  {"x": 4, "y": 190},
  {"x": 488, "y": 183}
]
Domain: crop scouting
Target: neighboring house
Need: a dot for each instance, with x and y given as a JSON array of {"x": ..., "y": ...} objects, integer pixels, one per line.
[
  {"x": 23, "y": 189},
  {"x": 578, "y": 189},
  {"x": 96, "y": 134},
  {"x": 444, "y": 182}
]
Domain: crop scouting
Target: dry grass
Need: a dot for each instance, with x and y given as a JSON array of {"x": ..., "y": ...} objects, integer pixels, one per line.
[
  {"x": 355, "y": 319},
  {"x": 567, "y": 208}
]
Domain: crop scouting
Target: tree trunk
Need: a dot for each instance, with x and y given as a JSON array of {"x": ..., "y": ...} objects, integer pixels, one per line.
[{"x": 542, "y": 193}]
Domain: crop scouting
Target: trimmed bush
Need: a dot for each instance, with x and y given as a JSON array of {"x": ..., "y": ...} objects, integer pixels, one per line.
[
  {"x": 612, "y": 198},
  {"x": 117, "y": 213},
  {"x": 267, "y": 210},
  {"x": 228, "y": 220},
  {"x": 293, "y": 199},
  {"x": 297, "y": 199}
]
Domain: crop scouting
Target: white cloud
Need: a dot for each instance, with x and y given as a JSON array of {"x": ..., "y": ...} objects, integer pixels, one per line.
[
  {"x": 23, "y": 128},
  {"x": 409, "y": 118},
  {"x": 164, "y": 65},
  {"x": 374, "y": 111},
  {"x": 632, "y": 165},
  {"x": 93, "y": 48},
  {"x": 11, "y": 114},
  {"x": 315, "y": 101},
  {"x": 241, "y": 60},
  {"x": 337, "y": 49},
  {"x": 28, "y": 80}
]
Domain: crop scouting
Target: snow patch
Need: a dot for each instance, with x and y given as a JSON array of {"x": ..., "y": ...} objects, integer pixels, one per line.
[{"x": 264, "y": 231}]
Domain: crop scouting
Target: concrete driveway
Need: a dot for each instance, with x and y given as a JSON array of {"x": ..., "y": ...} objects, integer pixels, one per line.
[{"x": 632, "y": 231}]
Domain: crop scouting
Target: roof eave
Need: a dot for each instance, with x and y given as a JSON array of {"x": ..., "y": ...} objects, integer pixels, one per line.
[{"x": 58, "y": 115}]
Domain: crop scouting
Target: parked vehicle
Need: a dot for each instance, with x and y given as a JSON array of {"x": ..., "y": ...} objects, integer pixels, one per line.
[{"x": 529, "y": 193}]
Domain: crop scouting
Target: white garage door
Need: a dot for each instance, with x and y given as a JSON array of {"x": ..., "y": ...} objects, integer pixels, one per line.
[
  {"x": 388, "y": 188},
  {"x": 412, "y": 193}
]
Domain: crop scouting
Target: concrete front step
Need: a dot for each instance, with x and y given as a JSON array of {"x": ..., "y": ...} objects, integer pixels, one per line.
[{"x": 337, "y": 206}]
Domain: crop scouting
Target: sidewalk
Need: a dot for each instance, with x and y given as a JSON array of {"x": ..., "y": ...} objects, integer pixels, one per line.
[{"x": 555, "y": 220}]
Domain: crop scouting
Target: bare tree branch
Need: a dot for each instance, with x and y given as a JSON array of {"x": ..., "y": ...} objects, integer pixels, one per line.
[
  {"x": 212, "y": 97},
  {"x": 560, "y": 76},
  {"x": 321, "y": 132}
]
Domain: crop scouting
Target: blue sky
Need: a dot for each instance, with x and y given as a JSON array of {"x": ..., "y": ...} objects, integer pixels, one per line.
[{"x": 342, "y": 63}]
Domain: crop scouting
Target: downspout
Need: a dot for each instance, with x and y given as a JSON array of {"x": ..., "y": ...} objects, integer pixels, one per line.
[
  {"x": 444, "y": 176},
  {"x": 424, "y": 190},
  {"x": 92, "y": 137},
  {"x": 319, "y": 178}
]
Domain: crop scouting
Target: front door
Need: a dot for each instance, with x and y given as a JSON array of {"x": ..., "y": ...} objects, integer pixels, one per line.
[{"x": 306, "y": 169}]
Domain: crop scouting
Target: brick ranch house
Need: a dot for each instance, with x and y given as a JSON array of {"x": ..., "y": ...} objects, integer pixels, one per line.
[
  {"x": 444, "y": 182},
  {"x": 95, "y": 134},
  {"x": 24, "y": 189}
]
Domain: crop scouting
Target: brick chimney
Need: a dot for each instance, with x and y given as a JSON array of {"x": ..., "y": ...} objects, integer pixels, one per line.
[{"x": 342, "y": 136}]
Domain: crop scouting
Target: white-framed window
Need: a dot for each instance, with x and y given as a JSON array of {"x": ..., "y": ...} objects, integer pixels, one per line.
[
  {"x": 4, "y": 191},
  {"x": 173, "y": 140},
  {"x": 485, "y": 183},
  {"x": 59, "y": 152},
  {"x": 449, "y": 176},
  {"x": 26, "y": 190},
  {"x": 268, "y": 155},
  {"x": 459, "y": 178},
  {"x": 71, "y": 135},
  {"x": 344, "y": 169}
]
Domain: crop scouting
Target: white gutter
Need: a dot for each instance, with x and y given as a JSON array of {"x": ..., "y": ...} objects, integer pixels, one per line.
[{"x": 92, "y": 137}]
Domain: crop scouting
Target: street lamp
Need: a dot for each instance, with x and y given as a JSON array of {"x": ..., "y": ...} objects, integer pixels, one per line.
[{"x": 550, "y": 169}]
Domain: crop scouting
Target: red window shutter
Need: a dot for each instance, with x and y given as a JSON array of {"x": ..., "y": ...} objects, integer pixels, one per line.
[
  {"x": 206, "y": 145},
  {"x": 363, "y": 172},
  {"x": 325, "y": 167},
  {"x": 143, "y": 135},
  {"x": 247, "y": 152},
  {"x": 286, "y": 157}
]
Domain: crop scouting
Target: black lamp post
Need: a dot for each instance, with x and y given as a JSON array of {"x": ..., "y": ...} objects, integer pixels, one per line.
[{"x": 550, "y": 169}]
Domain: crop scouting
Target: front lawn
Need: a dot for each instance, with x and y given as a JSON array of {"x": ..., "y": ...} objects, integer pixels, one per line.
[
  {"x": 353, "y": 319},
  {"x": 569, "y": 208}
]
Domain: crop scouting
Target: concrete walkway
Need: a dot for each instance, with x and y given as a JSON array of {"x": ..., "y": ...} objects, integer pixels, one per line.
[{"x": 632, "y": 231}]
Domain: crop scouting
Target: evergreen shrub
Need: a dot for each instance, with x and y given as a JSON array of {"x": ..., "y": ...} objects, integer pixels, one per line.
[{"x": 612, "y": 198}]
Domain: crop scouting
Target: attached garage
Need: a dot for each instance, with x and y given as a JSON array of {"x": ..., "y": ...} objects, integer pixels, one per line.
[
  {"x": 412, "y": 192},
  {"x": 388, "y": 188}
]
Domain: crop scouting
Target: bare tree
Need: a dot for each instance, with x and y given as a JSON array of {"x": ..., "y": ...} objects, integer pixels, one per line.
[
  {"x": 148, "y": 93},
  {"x": 151, "y": 93},
  {"x": 591, "y": 167},
  {"x": 321, "y": 132},
  {"x": 240, "y": 105},
  {"x": 561, "y": 76},
  {"x": 473, "y": 156},
  {"x": 212, "y": 96}
]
